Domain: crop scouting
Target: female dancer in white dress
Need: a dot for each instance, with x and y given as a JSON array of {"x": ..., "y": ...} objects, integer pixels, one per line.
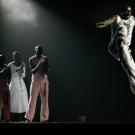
[{"x": 18, "y": 91}]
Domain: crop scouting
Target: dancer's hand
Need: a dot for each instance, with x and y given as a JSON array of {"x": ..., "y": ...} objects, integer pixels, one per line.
[
  {"x": 100, "y": 25},
  {"x": 20, "y": 68},
  {"x": 42, "y": 61}
]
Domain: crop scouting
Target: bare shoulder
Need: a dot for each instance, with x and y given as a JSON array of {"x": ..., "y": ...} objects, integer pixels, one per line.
[
  {"x": 32, "y": 58},
  {"x": 11, "y": 63}
]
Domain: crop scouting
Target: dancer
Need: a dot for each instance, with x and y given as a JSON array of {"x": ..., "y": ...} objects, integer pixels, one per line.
[
  {"x": 39, "y": 84},
  {"x": 122, "y": 27},
  {"x": 18, "y": 91},
  {"x": 5, "y": 77}
]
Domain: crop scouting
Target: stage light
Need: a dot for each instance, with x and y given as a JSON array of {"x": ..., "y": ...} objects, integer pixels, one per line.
[{"x": 19, "y": 11}]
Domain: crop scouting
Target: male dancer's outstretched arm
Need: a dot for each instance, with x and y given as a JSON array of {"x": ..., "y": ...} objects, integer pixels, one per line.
[{"x": 107, "y": 22}]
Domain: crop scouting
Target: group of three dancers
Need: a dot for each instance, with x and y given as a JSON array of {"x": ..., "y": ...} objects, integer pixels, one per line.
[{"x": 14, "y": 104}]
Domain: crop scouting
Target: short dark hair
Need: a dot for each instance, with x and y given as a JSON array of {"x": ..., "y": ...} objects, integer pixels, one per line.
[
  {"x": 124, "y": 8},
  {"x": 38, "y": 47}
]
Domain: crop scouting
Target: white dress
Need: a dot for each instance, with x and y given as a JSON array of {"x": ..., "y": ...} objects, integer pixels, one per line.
[{"x": 18, "y": 91}]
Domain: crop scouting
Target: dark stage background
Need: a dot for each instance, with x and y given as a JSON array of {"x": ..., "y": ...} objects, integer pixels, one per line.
[{"x": 84, "y": 79}]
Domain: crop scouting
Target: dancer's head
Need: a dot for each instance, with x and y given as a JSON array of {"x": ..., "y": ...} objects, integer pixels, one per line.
[
  {"x": 16, "y": 56},
  {"x": 38, "y": 50},
  {"x": 127, "y": 10}
]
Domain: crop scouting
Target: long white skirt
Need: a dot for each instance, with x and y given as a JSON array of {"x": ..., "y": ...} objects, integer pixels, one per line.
[{"x": 18, "y": 95}]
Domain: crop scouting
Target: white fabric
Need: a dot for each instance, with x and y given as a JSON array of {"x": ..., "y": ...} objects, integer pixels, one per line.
[
  {"x": 126, "y": 28},
  {"x": 18, "y": 91},
  {"x": 123, "y": 29},
  {"x": 130, "y": 66}
]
